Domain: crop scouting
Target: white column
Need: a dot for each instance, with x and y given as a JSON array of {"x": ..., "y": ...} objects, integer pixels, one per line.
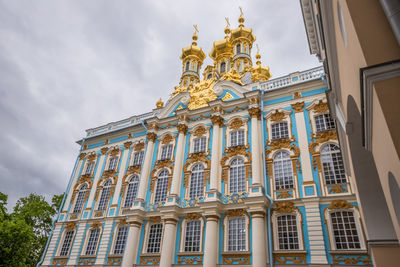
[
  {"x": 105, "y": 239},
  {"x": 131, "y": 246},
  {"x": 144, "y": 177},
  {"x": 258, "y": 241},
  {"x": 211, "y": 242},
  {"x": 168, "y": 243},
  {"x": 96, "y": 177},
  {"x": 215, "y": 155},
  {"x": 314, "y": 228},
  {"x": 255, "y": 146},
  {"x": 177, "y": 175},
  {"x": 52, "y": 245},
  {"x": 303, "y": 142},
  {"x": 124, "y": 162},
  {"x": 75, "y": 177}
]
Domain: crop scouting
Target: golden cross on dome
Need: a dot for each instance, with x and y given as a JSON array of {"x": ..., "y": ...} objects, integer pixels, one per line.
[
  {"x": 258, "y": 49},
  {"x": 227, "y": 22},
  {"x": 241, "y": 11},
  {"x": 195, "y": 28}
]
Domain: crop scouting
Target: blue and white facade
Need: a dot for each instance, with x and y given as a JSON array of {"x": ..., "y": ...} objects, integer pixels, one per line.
[{"x": 253, "y": 177}]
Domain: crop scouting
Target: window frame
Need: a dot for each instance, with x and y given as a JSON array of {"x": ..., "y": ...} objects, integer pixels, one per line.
[
  {"x": 167, "y": 178},
  {"x": 202, "y": 143},
  {"x": 101, "y": 194},
  {"x": 116, "y": 232},
  {"x": 191, "y": 176},
  {"x": 282, "y": 133},
  {"x": 62, "y": 240},
  {"x": 171, "y": 152},
  {"x": 343, "y": 171},
  {"x": 184, "y": 233},
  {"x": 226, "y": 232},
  {"x": 90, "y": 163},
  {"x": 110, "y": 162},
  {"x": 83, "y": 200},
  {"x": 130, "y": 182},
  {"x": 137, "y": 158},
  {"x": 245, "y": 180},
  {"x": 237, "y": 138},
  {"x": 299, "y": 224},
  {"x": 273, "y": 170},
  {"x": 146, "y": 243},
  {"x": 87, "y": 237},
  {"x": 327, "y": 122}
]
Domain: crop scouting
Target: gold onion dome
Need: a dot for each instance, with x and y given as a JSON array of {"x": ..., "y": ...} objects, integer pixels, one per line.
[
  {"x": 159, "y": 103},
  {"x": 242, "y": 33},
  {"x": 193, "y": 50},
  {"x": 260, "y": 73}
]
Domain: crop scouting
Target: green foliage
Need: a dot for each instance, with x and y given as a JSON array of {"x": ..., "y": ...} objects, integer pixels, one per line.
[{"x": 24, "y": 232}]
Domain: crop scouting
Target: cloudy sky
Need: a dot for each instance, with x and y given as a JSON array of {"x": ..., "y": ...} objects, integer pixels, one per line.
[{"x": 66, "y": 66}]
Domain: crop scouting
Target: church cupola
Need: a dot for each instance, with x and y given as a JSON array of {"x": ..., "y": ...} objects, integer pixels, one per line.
[
  {"x": 242, "y": 40},
  {"x": 222, "y": 53},
  {"x": 192, "y": 58}
]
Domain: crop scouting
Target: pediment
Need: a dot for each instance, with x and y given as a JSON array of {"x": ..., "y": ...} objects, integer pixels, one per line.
[{"x": 178, "y": 102}]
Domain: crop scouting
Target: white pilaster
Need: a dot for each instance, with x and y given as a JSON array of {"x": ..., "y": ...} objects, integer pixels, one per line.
[
  {"x": 177, "y": 174},
  {"x": 52, "y": 245},
  {"x": 258, "y": 241},
  {"x": 211, "y": 242},
  {"x": 77, "y": 244},
  {"x": 314, "y": 228},
  {"x": 215, "y": 152},
  {"x": 131, "y": 246},
  {"x": 168, "y": 243},
  {"x": 96, "y": 178},
  {"x": 255, "y": 146},
  {"x": 144, "y": 177},
  {"x": 75, "y": 177},
  {"x": 105, "y": 239},
  {"x": 124, "y": 162}
]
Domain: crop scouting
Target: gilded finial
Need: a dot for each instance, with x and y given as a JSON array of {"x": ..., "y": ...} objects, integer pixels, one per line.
[
  {"x": 159, "y": 103},
  {"x": 258, "y": 56},
  {"x": 227, "y": 30},
  {"x": 194, "y": 37},
  {"x": 241, "y": 18}
]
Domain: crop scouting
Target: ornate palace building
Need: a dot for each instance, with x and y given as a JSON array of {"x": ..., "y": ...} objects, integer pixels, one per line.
[{"x": 234, "y": 169}]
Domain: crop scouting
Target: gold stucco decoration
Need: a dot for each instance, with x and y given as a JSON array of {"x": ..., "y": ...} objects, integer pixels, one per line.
[
  {"x": 236, "y": 124},
  {"x": 217, "y": 120},
  {"x": 321, "y": 107},
  {"x": 193, "y": 216},
  {"x": 277, "y": 116},
  {"x": 284, "y": 207},
  {"x": 127, "y": 145},
  {"x": 193, "y": 158},
  {"x": 236, "y": 212},
  {"x": 227, "y": 96},
  {"x": 114, "y": 151},
  {"x": 255, "y": 113},
  {"x": 200, "y": 131},
  {"x": 182, "y": 128},
  {"x": 152, "y": 137},
  {"x": 340, "y": 204},
  {"x": 201, "y": 93},
  {"x": 96, "y": 224},
  {"x": 139, "y": 146},
  {"x": 70, "y": 226},
  {"x": 82, "y": 156},
  {"x": 166, "y": 139},
  {"x": 233, "y": 76},
  {"x": 159, "y": 103},
  {"x": 298, "y": 107}
]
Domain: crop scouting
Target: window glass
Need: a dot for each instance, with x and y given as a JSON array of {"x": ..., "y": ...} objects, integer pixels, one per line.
[
  {"x": 89, "y": 168},
  {"x": 80, "y": 199},
  {"x": 223, "y": 67},
  {"x": 92, "y": 243},
  {"x": 332, "y": 164},
  {"x": 279, "y": 130},
  {"x": 237, "y": 234},
  {"x": 113, "y": 164},
  {"x": 237, "y": 48},
  {"x": 199, "y": 145},
  {"x": 121, "y": 240},
  {"x": 283, "y": 171},
  {"x": 67, "y": 243},
  {"x": 154, "y": 240},
  {"x": 138, "y": 158},
  {"x": 287, "y": 232},
  {"x": 131, "y": 191},
  {"x": 324, "y": 122},
  {"x": 162, "y": 186},
  {"x": 237, "y": 138},
  {"x": 237, "y": 182},
  {"x": 345, "y": 230},
  {"x": 197, "y": 181},
  {"x": 192, "y": 236},
  {"x": 166, "y": 152},
  {"x": 105, "y": 194}
]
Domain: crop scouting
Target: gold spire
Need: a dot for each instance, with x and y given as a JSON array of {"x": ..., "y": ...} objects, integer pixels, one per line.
[
  {"x": 227, "y": 30},
  {"x": 258, "y": 56},
  {"x": 241, "y": 18},
  {"x": 195, "y": 37}
]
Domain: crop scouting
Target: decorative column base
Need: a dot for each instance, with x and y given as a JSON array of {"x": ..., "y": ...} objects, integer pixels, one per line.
[
  {"x": 256, "y": 190},
  {"x": 138, "y": 204},
  {"x": 172, "y": 200},
  {"x": 212, "y": 195}
]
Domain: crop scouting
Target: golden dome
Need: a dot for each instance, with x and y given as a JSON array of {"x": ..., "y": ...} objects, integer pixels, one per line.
[{"x": 159, "y": 103}]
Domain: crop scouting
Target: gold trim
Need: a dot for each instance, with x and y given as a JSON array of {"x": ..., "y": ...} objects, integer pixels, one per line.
[{"x": 298, "y": 107}]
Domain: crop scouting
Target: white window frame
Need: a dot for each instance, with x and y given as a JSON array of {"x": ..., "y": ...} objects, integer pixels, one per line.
[
  {"x": 286, "y": 119},
  {"x": 334, "y": 170},
  {"x": 87, "y": 236},
  {"x": 116, "y": 164},
  {"x": 78, "y": 196},
  {"x": 326, "y": 123},
  {"x": 291, "y": 169},
  {"x": 168, "y": 177},
  {"x": 184, "y": 232},
  {"x": 229, "y": 175},
  {"x": 171, "y": 152},
  {"x": 91, "y": 163},
  {"x": 357, "y": 220},
  {"x": 299, "y": 231},
  {"x": 281, "y": 131},
  {"x": 237, "y": 138},
  {"x": 137, "y": 158},
  {"x": 200, "y": 144},
  {"x": 101, "y": 193},
  {"x": 146, "y": 243},
  {"x": 191, "y": 176},
  {"x": 226, "y": 233},
  {"x": 134, "y": 176},
  {"x": 61, "y": 242},
  {"x": 116, "y": 231}
]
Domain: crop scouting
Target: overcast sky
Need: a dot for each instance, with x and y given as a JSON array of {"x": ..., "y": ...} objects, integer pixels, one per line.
[{"x": 66, "y": 66}]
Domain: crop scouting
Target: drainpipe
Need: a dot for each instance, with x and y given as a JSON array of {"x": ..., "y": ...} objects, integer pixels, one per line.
[
  {"x": 61, "y": 206},
  {"x": 392, "y": 11},
  {"x": 144, "y": 126},
  {"x": 269, "y": 231}
]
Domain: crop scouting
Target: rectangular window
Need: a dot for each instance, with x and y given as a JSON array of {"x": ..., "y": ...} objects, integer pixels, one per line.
[
  {"x": 199, "y": 145},
  {"x": 166, "y": 152},
  {"x": 287, "y": 232},
  {"x": 121, "y": 240},
  {"x": 237, "y": 234},
  {"x": 345, "y": 230},
  {"x": 138, "y": 158},
  {"x": 67, "y": 243},
  {"x": 154, "y": 240},
  {"x": 112, "y": 166},
  {"x": 92, "y": 243},
  {"x": 237, "y": 138},
  {"x": 192, "y": 236},
  {"x": 89, "y": 168},
  {"x": 324, "y": 122},
  {"x": 279, "y": 130}
]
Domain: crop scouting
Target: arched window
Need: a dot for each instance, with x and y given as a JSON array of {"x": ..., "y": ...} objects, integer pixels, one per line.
[
  {"x": 237, "y": 48},
  {"x": 332, "y": 164},
  {"x": 92, "y": 241},
  {"x": 80, "y": 199},
  {"x": 131, "y": 191},
  {"x": 105, "y": 194},
  {"x": 283, "y": 172},
  {"x": 162, "y": 186},
  {"x": 288, "y": 237},
  {"x": 237, "y": 138},
  {"x": 223, "y": 67},
  {"x": 69, "y": 234},
  {"x": 279, "y": 130},
  {"x": 237, "y": 181},
  {"x": 197, "y": 181},
  {"x": 187, "y": 65}
]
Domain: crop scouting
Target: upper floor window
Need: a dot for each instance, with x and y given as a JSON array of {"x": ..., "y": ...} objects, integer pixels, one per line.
[
  {"x": 162, "y": 186},
  {"x": 112, "y": 166},
  {"x": 223, "y": 67},
  {"x": 279, "y": 130},
  {"x": 287, "y": 232},
  {"x": 324, "y": 122},
  {"x": 154, "y": 238},
  {"x": 237, "y": 48},
  {"x": 192, "y": 236},
  {"x": 80, "y": 199},
  {"x": 237, "y": 234},
  {"x": 166, "y": 152},
  {"x": 187, "y": 65},
  {"x": 283, "y": 171},
  {"x": 131, "y": 191},
  {"x": 121, "y": 240},
  {"x": 138, "y": 158},
  {"x": 344, "y": 230},
  {"x": 89, "y": 168},
  {"x": 197, "y": 181},
  {"x": 332, "y": 164},
  {"x": 199, "y": 145},
  {"x": 237, "y": 182},
  {"x": 237, "y": 138},
  {"x": 67, "y": 243},
  {"x": 105, "y": 194},
  {"x": 92, "y": 242}
]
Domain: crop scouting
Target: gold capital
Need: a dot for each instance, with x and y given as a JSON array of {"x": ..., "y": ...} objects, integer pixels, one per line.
[
  {"x": 298, "y": 107},
  {"x": 152, "y": 137},
  {"x": 182, "y": 128}
]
